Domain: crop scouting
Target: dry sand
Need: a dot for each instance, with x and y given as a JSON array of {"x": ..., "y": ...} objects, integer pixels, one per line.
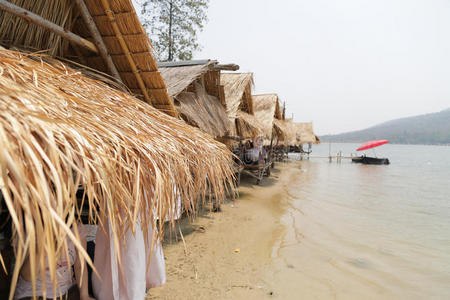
[{"x": 227, "y": 255}]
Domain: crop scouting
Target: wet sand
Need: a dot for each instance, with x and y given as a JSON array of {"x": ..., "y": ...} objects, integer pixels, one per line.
[{"x": 227, "y": 255}]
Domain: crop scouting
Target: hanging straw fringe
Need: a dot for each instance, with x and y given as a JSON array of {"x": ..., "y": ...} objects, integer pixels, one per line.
[{"x": 60, "y": 129}]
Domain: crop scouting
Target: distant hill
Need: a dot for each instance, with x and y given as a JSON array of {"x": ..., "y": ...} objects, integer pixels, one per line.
[{"x": 431, "y": 128}]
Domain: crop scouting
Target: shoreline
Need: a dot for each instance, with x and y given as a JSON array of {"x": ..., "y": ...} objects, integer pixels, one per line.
[{"x": 228, "y": 254}]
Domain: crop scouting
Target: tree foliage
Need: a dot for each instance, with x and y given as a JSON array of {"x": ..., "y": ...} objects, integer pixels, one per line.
[{"x": 173, "y": 26}]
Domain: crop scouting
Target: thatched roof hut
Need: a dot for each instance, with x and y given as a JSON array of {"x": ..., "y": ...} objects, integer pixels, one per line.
[
  {"x": 248, "y": 126},
  {"x": 198, "y": 95},
  {"x": 305, "y": 133},
  {"x": 239, "y": 104},
  {"x": 291, "y": 132},
  {"x": 286, "y": 131},
  {"x": 267, "y": 108},
  {"x": 238, "y": 93},
  {"x": 60, "y": 130},
  {"x": 104, "y": 36}
]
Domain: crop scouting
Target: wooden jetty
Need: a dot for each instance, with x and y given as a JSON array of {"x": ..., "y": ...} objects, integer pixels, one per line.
[{"x": 338, "y": 157}]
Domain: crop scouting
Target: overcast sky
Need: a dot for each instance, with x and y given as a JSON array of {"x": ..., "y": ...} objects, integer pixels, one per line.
[{"x": 345, "y": 65}]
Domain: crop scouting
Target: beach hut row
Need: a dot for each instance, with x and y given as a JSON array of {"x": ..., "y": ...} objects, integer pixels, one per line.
[
  {"x": 94, "y": 130},
  {"x": 219, "y": 101}
]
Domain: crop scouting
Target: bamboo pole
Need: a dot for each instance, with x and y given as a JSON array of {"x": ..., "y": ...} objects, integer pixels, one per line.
[
  {"x": 271, "y": 144},
  {"x": 38, "y": 20},
  {"x": 97, "y": 39},
  {"x": 125, "y": 49}
]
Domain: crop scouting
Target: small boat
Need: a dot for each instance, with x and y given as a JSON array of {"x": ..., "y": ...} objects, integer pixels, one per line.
[{"x": 367, "y": 160}]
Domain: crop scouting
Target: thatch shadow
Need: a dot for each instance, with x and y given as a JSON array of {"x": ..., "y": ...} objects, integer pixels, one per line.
[
  {"x": 186, "y": 223},
  {"x": 250, "y": 182}
]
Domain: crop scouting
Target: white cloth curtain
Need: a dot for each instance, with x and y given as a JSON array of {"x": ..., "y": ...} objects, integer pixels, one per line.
[{"x": 131, "y": 284}]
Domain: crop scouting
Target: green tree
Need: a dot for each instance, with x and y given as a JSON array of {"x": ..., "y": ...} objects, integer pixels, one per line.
[{"x": 173, "y": 26}]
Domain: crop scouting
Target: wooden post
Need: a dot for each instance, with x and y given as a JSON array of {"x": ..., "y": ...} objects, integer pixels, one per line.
[
  {"x": 309, "y": 149},
  {"x": 271, "y": 149},
  {"x": 38, "y": 20},
  {"x": 329, "y": 151},
  {"x": 97, "y": 39}
]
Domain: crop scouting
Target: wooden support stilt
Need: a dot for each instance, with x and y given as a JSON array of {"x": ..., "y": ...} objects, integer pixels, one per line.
[
  {"x": 329, "y": 151},
  {"x": 40, "y": 21}
]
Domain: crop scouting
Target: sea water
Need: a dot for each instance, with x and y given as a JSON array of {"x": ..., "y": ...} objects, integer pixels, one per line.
[{"x": 354, "y": 231}]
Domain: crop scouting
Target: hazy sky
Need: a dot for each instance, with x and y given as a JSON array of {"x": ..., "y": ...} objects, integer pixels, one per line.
[{"x": 345, "y": 64}]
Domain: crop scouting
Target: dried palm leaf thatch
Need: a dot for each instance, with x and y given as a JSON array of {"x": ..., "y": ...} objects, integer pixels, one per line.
[
  {"x": 291, "y": 136},
  {"x": 237, "y": 89},
  {"x": 278, "y": 115},
  {"x": 285, "y": 132},
  {"x": 305, "y": 133},
  {"x": 203, "y": 111},
  {"x": 248, "y": 126},
  {"x": 140, "y": 65},
  {"x": 116, "y": 21},
  {"x": 187, "y": 85},
  {"x": 265, "y": 111},
  {"x": 179, "y": 78},
  {"x": 21, "y": 33},
  {"x": 280, "y": 130},
  {"x": 60, "y": 129}
]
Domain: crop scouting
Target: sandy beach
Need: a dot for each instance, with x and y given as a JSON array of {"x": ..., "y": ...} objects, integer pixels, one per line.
[{"x": 227, "y": 255}]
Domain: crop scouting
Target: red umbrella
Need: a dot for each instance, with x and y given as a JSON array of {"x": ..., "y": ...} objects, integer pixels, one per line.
[{"x": 372, "y": 144}]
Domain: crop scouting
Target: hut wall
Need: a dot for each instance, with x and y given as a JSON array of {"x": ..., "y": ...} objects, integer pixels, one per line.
[
  {"x": 212, "y": 85},
  {"x": 212, "y": 82}
]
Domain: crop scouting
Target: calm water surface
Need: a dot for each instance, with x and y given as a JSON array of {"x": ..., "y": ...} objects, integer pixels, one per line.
[{"x": 367, "y": 232}]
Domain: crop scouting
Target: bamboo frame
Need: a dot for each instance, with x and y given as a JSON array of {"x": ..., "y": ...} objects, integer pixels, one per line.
[
  {"x": 38, "y": 20},
  {"x": 125, "y": 49},
  {"x": 97, "y": 38}
]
